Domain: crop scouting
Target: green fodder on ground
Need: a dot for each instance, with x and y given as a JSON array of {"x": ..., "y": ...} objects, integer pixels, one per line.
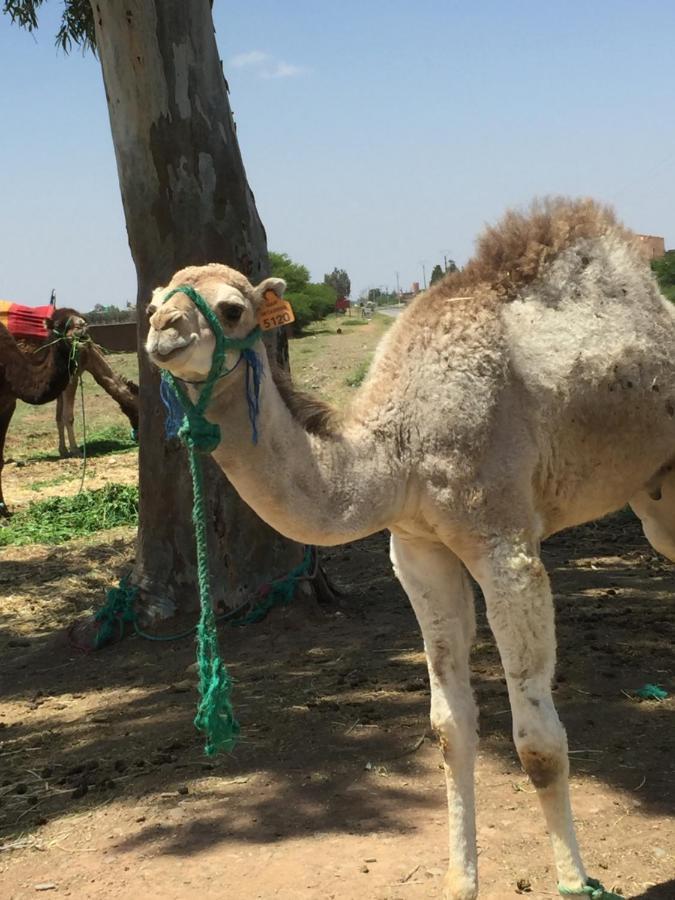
[{"x": 59, "y": 519}]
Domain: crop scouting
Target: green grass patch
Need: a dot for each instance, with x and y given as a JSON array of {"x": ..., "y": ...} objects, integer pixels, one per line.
[
  {"x": 355, "y": 379},
  {"x": 60, "y": 519}
]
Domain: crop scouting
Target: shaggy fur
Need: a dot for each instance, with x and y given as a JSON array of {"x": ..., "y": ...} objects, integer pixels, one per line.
[{"x": 516, "y": 251}]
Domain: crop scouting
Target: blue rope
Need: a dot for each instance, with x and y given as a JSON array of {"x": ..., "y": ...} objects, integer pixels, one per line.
[
  {"x": 174, "y": 411},
  {"x": 254, "y": 373}
]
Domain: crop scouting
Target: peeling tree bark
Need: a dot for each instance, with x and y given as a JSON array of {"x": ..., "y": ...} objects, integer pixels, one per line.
[{"x": 186, "y": 202}]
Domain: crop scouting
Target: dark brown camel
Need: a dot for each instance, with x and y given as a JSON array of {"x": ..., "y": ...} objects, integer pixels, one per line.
[{"x": 35, "y": 376}]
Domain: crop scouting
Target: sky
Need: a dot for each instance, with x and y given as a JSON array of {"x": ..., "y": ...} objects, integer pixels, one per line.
[{"x": 378, "y": 136}]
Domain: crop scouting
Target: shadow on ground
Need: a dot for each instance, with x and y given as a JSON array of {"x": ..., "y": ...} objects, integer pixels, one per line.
[{"x": 328, "y": 703}]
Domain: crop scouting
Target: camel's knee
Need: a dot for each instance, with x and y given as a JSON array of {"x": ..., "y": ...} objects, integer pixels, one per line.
[
  {"x": 544, "y": 767},
  {"x": 457, "y": 738}
]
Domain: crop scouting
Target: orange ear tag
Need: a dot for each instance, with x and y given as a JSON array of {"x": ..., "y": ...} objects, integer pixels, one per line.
[{"x": 274, "y": 312}]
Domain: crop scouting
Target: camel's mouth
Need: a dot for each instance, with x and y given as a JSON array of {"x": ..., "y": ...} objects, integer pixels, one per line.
[{"x": 163, "y": 351}]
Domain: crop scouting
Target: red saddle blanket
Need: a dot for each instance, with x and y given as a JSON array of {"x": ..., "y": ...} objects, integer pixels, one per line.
[{"x": 25, "y": 321}]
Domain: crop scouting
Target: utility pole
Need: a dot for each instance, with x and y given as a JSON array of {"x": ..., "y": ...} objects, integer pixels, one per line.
[
  {"x": 424, "y": 277},
  {"x": 398, "y": 286}
]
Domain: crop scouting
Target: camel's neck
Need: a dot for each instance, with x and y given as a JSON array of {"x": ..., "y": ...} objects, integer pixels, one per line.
[
  {"x": 315, "y": 490},
  {"x": 123, "y": 392},
  {"x": 35, "y": 375}
]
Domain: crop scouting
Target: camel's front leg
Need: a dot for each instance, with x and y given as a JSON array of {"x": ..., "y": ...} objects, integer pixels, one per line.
[
  {"x": 7, "y": 407},
  {"x": 439, "y": 590},
  {"x": 520, "y": 611},
  {"x": 65, "y": 417}
]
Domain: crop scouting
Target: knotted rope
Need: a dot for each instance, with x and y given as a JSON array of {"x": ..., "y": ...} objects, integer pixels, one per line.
[{"x": 592, "y": 889}]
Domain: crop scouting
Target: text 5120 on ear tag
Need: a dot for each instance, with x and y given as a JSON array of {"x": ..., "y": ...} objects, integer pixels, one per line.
[{"x": 274, "y": 312}]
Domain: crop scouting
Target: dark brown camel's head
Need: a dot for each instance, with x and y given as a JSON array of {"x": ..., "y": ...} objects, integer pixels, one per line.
[{"x": 67, "y": 323}]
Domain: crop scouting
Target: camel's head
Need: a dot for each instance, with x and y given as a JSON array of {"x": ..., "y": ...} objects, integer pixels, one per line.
[
  {"x": 67, "y": 323},
  {"x": 180, "y": 339}
]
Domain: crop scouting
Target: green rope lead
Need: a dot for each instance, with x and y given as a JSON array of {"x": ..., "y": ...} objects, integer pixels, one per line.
[
  {"x": 278, "y": 593},
  {"x": 215, "y": 715},
  {"x": 592, "y": 889},
  {"x": 118, "y": 609},
  {"x": 84, "y": 435}
]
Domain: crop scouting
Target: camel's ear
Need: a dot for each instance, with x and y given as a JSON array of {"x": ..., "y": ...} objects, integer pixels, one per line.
[{"x": 272, "y": 285}]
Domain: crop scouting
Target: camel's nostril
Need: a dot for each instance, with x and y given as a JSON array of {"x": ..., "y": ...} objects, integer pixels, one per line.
[{"x": 161, "y": 320}]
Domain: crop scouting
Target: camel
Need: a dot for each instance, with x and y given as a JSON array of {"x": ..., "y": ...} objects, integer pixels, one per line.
[
  {"x": 35, "y": 377},
  {"x": 529, "y": 392},
  {"x": 123, "y": 391}
]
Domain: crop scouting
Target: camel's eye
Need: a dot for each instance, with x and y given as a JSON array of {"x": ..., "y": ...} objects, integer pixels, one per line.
[{"x": 231, "y": 312}]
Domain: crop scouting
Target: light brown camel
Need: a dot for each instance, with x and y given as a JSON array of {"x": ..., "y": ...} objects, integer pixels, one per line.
[
  {"x": 532, "y": 391},
  {"x": 122, "y": 391},
  {"x": 35, "y": 377}
]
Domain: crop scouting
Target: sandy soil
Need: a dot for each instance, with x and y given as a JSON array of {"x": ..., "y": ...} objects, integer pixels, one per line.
[{"x": 335, "y": 790}]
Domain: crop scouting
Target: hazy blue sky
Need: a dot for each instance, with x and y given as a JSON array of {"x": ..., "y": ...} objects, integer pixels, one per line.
[{"x": 376, "y": 134}]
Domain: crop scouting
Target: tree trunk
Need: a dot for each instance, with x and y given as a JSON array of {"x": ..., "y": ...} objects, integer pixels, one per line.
[{"x": 186, "y": 202}]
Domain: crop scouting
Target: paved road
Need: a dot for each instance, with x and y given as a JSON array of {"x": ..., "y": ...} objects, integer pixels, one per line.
[{"x": 392, "y": 311}]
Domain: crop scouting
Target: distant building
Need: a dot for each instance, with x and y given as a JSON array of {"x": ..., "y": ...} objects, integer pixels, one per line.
[{"x": 652, "y": 246}]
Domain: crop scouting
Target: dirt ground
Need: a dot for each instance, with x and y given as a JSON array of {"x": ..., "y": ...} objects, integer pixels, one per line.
[{"x": 335, "y": 791}]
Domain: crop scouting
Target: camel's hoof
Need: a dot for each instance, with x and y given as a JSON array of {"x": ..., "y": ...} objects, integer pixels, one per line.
[{"x": 459, "y": 886}]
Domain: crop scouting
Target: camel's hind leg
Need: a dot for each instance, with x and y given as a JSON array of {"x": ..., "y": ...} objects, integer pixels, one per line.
[
  {"x": 520, "y": 612},
  {"x": 655, "y": 506},
  {"x": 440, "y": 593}
]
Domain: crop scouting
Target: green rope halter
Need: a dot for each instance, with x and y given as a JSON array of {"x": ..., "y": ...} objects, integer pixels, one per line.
[
  {"x": 205, "y": 435},
  {"x": 215, "y": 715},
  {"x": 592, "y": 889}
]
